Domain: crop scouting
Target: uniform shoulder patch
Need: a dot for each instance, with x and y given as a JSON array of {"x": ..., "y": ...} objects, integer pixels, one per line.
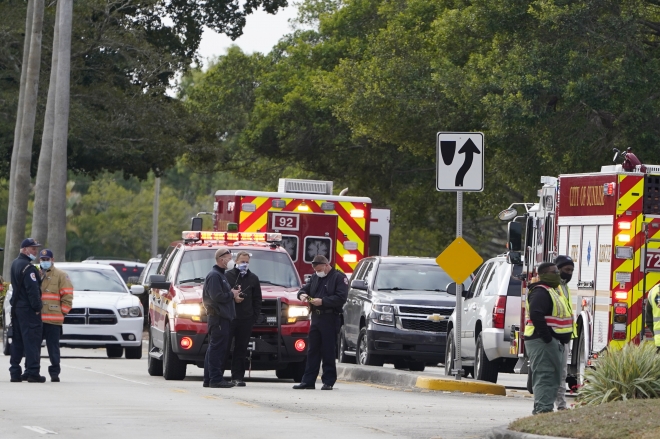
[
  {"x": 33, "y": 277},
  {"x": 345, "y": 280},
  {"x": 657, "y": 300}
]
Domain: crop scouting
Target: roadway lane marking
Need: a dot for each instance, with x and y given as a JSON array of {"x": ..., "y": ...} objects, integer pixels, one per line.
[
  {"x": 107, "y": 374},
  {"x": 39, "y": 430}
]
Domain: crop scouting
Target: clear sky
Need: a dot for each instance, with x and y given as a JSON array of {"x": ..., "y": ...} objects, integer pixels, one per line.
[{"x": 262, "y": 31}]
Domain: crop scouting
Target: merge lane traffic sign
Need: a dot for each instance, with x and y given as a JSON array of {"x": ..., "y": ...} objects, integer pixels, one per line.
[
  {"x": 460, "y": 162},
  {"x": 459, "y": 260}
]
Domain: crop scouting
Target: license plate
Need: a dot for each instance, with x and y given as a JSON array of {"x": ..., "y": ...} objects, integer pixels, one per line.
[{"x": 271, "y": 319}]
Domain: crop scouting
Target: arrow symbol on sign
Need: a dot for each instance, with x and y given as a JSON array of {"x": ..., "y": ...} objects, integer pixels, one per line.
[{"x": 469, "y": 149}]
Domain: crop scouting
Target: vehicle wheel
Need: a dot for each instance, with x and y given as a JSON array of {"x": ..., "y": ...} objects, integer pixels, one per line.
[
  {"x": 6, "y": 348},
  {"x": 400, "y": 364},
  {"x": 114, "y": 350},
  {"x": 469, "y": 371},
  {"x": 134, "y": 352},
  {"x": 530, "y": 387},
  {"x": 416, "y": 366},
  {"x": 484, "y": 369},
  {"x": 572, "y": 383},
  {"x": 154, "y": 366},
  {"x": 449, "y": 353},
  {"x": 343, "y": 358},
  {"x": 363, "y": 356},
  {"x": 284, "y": 374},
  {"x": 298, "y": 370},
  {"x": 581, "y": 361},
  {"x": 173, "y": 367}
]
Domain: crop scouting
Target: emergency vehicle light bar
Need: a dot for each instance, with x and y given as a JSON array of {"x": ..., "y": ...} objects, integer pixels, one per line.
[{"x": 226, "y": 236}]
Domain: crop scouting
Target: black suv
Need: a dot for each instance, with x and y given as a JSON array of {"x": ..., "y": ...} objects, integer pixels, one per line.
[{"x": 397, "y": 312}]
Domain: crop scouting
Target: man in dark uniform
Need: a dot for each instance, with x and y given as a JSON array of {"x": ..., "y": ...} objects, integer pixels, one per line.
[
  {"x": 327, "y": 292},
  {"x": 26, "y": 315},
  {"x": 218, "y": 298},
  {"x": 248, "y": 310}
]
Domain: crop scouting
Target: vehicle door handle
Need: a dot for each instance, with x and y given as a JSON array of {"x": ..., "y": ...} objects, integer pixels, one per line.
[
  {"x": 474, "y": 306},
  {"x": 464, "y": 309}
]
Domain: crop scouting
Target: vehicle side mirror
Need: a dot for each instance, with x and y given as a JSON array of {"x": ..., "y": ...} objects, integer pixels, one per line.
[
  {"x": 514, "y": 236},
  {"x": 451, "y": 288},
  {"x": 514, "y": 258},
  {"x": 359, "y": 284},
  {"x": 157, "y": 281},
  {"x": 136, "y": 290},
  {"x": 197, "y": 224}
]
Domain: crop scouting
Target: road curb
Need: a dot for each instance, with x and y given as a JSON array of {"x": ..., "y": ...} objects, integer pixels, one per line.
[
  {"x": 505, "y": 433},
  {"x": 379, "y": 375}
]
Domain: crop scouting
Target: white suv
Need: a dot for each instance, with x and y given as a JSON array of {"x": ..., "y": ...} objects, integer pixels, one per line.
[{"x": 490, "y": 308}]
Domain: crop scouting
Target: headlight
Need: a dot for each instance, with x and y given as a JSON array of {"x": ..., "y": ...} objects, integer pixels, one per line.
[
  {"x": 189, "y": 309},
  {"x": 382, "y": 314},
  {"x": 133, "y": 311},
  {"x": 297, "y": 313}
]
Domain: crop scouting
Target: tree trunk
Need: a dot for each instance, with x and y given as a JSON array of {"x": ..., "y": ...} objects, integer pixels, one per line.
[
  {"x": 10, "y": 251},
  {"x": 58, "y": 170},
  {"x": 42, "y": 186}
]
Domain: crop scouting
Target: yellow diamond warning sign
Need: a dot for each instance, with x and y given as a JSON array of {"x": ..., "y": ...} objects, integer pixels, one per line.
[{"x": 459, "y": 260}]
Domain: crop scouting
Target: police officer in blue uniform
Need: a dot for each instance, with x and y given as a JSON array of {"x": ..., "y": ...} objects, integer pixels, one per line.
[
  {"x": 26, "y": 315},
  {"x": 327, "y": 292},
  {"x": 218, "y": 298}
]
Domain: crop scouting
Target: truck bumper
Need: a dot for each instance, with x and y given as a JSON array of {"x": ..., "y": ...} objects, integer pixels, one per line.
[{"x": 417, "y": 345}]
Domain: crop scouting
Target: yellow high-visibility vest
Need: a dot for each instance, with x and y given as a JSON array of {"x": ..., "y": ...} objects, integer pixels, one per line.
[
  {"x": 566, "y": 295},
  {"x": 561, "y": 319},
  {"x": 653, "y": 300}
]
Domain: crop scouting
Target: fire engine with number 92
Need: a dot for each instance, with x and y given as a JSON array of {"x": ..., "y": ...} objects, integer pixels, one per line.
[{"x": 608, "y": 222}]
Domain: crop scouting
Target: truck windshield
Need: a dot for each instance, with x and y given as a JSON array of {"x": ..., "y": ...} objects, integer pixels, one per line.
[
  {"x": 272, "y": 268},
  {"x": 413, "y": 277}
]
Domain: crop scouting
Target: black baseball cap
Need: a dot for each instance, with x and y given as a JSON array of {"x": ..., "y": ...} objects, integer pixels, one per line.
[
  {"x": 563, "y": 260},
  {"x": 320, "y": 259},
  {"x": 29, "y": 242}
]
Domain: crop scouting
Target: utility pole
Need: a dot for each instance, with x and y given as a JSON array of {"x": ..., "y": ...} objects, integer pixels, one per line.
[{"x": 154, "y": 219}]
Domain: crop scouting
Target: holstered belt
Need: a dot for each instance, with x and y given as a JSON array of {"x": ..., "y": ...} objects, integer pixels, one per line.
[{"x": 324, "y": 311}]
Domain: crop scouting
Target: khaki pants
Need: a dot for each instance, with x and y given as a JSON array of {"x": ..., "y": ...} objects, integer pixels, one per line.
[
  {"x": 560, "y": 401},
  {"x": 545, "y": 361}
]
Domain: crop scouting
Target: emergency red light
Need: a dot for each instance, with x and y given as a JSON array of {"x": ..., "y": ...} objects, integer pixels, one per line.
[
  {"x": 357, "y": 213},
  {"x": 124, "y": 269},
  {"x": 350, "y": 258},
  {"x": 618, "y": 335},
  {"x": 300, "y": 345},
  {"x": 620, "y": 309},
  {"x": 621, "y": 295},
  {"x": 624, "y": 225},
  {"x": 608, "y": 189},
  {"x": 190, "y": 236},
  {"x": 186, "y": 342}
]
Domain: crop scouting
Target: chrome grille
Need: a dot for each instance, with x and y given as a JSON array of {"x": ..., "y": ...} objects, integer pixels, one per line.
[
  {"x": 423, "y": 325},
  {"x": 415, "y": 318},
  {"x": 425, "y": 310}
]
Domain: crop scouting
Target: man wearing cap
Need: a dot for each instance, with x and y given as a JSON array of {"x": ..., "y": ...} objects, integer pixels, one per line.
[
  {"x": 57, "y": 298},
  {"x": 218, "y": 298},
  {"x": 326, "y": 291},
  {"x": 26, "y": 314},
  {"x": 566, "y": 267}
]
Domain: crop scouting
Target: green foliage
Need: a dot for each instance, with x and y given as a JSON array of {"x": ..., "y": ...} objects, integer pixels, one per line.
[{"x": 630, "y": 373}]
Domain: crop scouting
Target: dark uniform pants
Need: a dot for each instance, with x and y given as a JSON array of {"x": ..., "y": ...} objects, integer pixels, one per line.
[
  {"x": 322, "y": 346},
  {"x": 240, "y": 331},
  {"x": 218, "y": 330},
  {"x": 545, "y": 360},
  {"x": 26, "y": 341},
  {"x": 52, "y": 335}
]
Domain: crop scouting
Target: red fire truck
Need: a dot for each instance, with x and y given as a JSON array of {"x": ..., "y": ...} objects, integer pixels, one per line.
[
  {"x": 311, "y": 220},
  {"x": 608, "y": 222}
]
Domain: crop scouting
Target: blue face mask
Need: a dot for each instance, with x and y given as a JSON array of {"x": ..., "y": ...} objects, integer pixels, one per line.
[
  {"x": 31, "y": 256},
  {"x": 45, "y": 265},
  {"x": 243, "y": 267}
]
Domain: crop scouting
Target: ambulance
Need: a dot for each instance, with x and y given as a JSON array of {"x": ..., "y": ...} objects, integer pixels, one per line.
[
  {"x": 608, "y": 222},
  {"x": 311, "y": 221}
]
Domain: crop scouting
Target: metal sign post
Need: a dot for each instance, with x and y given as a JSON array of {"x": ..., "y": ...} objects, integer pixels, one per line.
[{"x": 458, "y": 371}]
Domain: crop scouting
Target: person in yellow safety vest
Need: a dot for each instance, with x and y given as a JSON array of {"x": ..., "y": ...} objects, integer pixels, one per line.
[
  {"x": 57, "y": 298},
  {"x": 653, "y": 314},
  {"x": 548, "y": 327},
  {"x": 566, "y": 266}
]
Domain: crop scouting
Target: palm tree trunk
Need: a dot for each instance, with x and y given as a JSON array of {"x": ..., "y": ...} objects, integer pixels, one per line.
[
  {"x": 58, "y": 170},
  {"x": 10, "y": 251},
  {"x": 42, "y": 186}
]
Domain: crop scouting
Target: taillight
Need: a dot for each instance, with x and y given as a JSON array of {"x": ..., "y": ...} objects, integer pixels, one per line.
[
  {"x": 300, "y": 345},
  {"x": 186, "y": 342},
  {"x": 499, "y": 312},
  {"x": 620, "y": 321}
]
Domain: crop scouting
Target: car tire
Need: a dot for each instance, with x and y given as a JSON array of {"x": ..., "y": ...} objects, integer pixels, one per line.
[
  {"x": 341, "y": 349},
  {"x": 284, "y": 374},
  {"x": 154, "y": 366},
  {"x": 416, "y": 366},
  {"x": 484, "y": 369},
  {"x": 400, "y": 364},
  {"x": 173, "y": 367},
  {"x": 133, "y": 352},
  {"x": 363, "y": 356},
  {"x": 114, "y": 351},
  {"x": 6, "y": 347},
  {"x": 449, "y": 353}
]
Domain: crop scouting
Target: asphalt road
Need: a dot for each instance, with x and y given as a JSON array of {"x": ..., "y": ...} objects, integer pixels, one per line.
[{"x": 116, "y": 398}]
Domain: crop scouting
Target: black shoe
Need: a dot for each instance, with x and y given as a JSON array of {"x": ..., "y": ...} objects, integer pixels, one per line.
[
  {"x": 238, "y": 383},
  {"x": 36, "y": 379},
  {"x": 54, "y": 379},
  {"x": 205, "y": 384},
  {"x": 304, "y": 386},
  {"x": 326, "y": 387},
  {"x": 17, "y": 379},
  {"x": 25, "y": 376},
  {"x": 222, "y": 384}
]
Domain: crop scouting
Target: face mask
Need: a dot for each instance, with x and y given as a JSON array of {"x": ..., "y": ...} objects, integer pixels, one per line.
[
  {"x": 321, "y": 273},
  {"x": 550, "y": 279},
  {"x": 31, "y": 256},
  {"x": 230, "y": 264},
  {"x": 243, "y": 267},
  {"x": 566, "y": 277},
  {"x": 45, "y": 265}
]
